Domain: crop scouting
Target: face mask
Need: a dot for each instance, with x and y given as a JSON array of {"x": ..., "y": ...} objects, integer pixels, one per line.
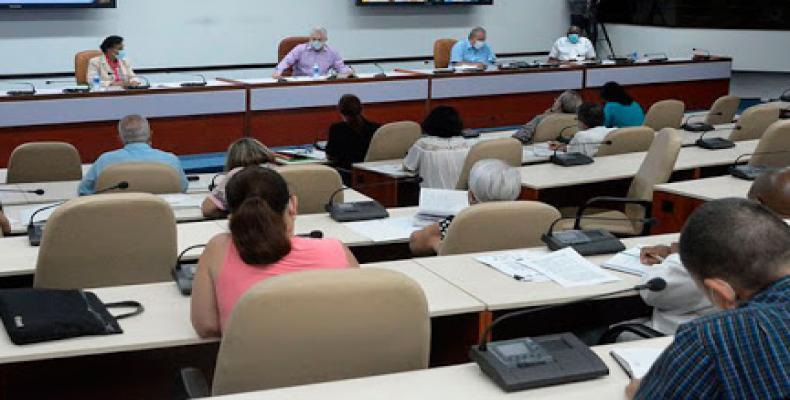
[
  {"x": 316, "y": 44},
  {"x": 574, "y": 38},
  {"x": 121, "y": 55},
  {"x": 479, "y": 44}
]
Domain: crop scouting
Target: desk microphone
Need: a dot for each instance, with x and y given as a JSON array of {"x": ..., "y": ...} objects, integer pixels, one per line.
[
  {"x": 657, "y": 57},
  {"x": 563, "y": 139},
  {"x": 361, "y": 210},
  {"x": 575, "y": 159},
  {"x": 528, "y": 363},
  {"x": 30, "y": 92},
  {"x": 213, "y": 184},
  {"x": 382, "y": 73},
  {"x": 715, "y": 143},
  {"x": 143, "y": 86},
  {"x": 751, "y": 172},
  {"x": 588, "y": 242},
  {"x": 202, "y": 83},
  {"x": 35, "y": 229},
  {"x": 698, "y": 126},
  {"x": 697, "y": 56},
  {"x": 39, "y": 192}
]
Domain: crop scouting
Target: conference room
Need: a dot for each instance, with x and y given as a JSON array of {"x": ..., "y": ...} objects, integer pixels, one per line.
[{"x": 413, "y": 199}]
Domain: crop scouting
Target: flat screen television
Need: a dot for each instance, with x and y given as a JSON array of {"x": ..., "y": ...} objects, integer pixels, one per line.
[
  {"x": 28, "y": 4},
  {"x": 424, "y": 2}
]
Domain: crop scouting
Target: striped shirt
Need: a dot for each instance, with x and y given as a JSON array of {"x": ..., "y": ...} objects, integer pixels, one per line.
[{"x": 738, "y": 354}]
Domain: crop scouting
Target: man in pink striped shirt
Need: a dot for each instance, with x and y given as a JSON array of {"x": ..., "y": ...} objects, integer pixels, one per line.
[{"x": 304, "y": 57}]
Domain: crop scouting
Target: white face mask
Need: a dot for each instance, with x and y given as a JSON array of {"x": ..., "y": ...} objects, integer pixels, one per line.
[
  {"x": 316, "y": 44},
  {"x": 479, "y": 44}
]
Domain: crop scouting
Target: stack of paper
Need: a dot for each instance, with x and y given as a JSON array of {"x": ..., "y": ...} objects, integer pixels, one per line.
[
  {"x": 394, "y": 170},
  {"x": 438, "y": 204},
  {"x": 636, "y": 362},
  {"x": 384, "y": 230},
  {"x": 569, "y": 269},
  {"x": 628, "y": 261},
  {"x": 512, "y": 264}
]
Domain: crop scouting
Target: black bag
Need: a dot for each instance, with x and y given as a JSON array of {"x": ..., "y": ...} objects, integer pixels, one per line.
[{"x": 41, "y": 315}]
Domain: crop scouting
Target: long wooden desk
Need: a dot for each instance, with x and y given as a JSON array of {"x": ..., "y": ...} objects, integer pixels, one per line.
[
  {"x": 459, "y": 382},
  {"x": 673, "y": 203}
]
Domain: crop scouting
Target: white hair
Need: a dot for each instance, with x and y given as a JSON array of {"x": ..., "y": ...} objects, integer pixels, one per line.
[
  {"x": 476, "y": 30},
  {"x": 319, "y": 30},
  {"x": 494, "y": 180},
  {"x": 134, "y": 129}
]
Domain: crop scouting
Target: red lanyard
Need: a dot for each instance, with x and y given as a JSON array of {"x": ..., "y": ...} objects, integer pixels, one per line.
[{"x": 116, "y": 68}]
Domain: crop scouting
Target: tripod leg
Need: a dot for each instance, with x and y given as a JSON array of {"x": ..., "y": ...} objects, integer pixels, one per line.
[{"x": 606, "y": 37}]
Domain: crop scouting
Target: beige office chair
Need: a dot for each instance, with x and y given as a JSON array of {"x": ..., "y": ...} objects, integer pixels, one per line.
[
  {"x": 665, "y": 114},
  {"x": 627, "y": 140},
  {"x": 656, "y": 169},
  {"x": 288, "y": 44},
  {"x": 754, "y": 121},
  {"x": 107, "y": 240},
  {"x": 154, "y": 178},
  {"x": 313, "y": 185},
  {"x": 44, "y": 162},
  {"x": 320, "y": 326},
  {"x": 776, "y": 140},
  {"x": 441, "y": 52},
  {"x": 554, "y": 125},
  {"x": 498, "y": 226},
  {"x": 81, "y": 61},
  {"x": 393, "y": 141},
  {"x": 723, "y": 110},
  {"x": 508, "y": 150}
]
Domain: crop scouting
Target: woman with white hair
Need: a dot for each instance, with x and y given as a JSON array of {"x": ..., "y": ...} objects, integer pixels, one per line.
[{"x": 489, "y": 181}]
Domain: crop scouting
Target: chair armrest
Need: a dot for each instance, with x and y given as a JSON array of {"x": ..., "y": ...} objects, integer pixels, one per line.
[
  {"x": 637, "y": 329},
  {"x": 646, "y": 204},
  {"x": 193, "y": 384}
]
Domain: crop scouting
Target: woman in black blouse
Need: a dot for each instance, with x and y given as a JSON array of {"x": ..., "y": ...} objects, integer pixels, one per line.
[{"x": 349, "y": 140}]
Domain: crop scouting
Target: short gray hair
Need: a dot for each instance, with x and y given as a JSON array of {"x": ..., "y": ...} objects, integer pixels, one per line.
[
  {"x": 494, "y": 180},
  {"x": 570, "y": 101},
  {"x": 477, "y": 29},
  {"x": 134, "y": 129},
  {"x": 320, "y": 30}
]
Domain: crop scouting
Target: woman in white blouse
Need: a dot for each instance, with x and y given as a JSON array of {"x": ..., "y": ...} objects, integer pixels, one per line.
[
  {"x": 439, "y": 157},
  {"x": 112, "y": 67}
]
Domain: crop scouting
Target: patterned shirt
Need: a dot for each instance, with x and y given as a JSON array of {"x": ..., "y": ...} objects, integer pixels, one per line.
[{"x": 738, "y": 354}]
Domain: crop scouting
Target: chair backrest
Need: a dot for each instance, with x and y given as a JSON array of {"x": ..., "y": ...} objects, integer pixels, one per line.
[
  {"x": 393, "y": 141},
  {"x": 627, "y": 140},
  {"x": 285, "y": 47},
  {"x": 107, "y": 240},
  {"x": 776, "y": 139},
  {"x": 508, "y": 150},
  {"x": 665, "y": 114},
  {"x": 498, "y": 226},
  {"x": 754, "y": 121},
  {"x": 81, "y": 61},
  {"x": 441, "y": 52},
  {"x": 553, "y": 125},
  {"x": 723, "y": 110},
  {"x": 44, "y": 162},
  {"x": 656, "y": 169},
  {"x": 313, "y": 185},
  {"x": 154, "y": 178},
  {"x": 319, "y": 326}
]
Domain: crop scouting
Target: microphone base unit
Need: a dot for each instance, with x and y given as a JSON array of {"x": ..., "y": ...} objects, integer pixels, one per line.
[
  {"x": 35, "y": 232},
  {"x": 571, "y": 159},
  {"x": 470, "y": 134},
  {"x": 21, "y": 92},
  {"x": 587, "y": 243},
  {"x": 525, "y": 363},
  {"x": 194, "y": 84},
  {"x": 715, "y": 144},
  {"x": 657, "y": 60},
  {"x": 137, "y": 87},
  {"x": 183, "y": 275},
  {"x": 748, "y": 172},
  {"x": 77, "y": 90},
  {"x": 698, "y": 127},
  {"x": 360, "y": 211}
]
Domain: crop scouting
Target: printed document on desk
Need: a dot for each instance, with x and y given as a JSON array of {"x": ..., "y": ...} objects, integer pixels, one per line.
[
  {"x": 384, "y": 230},
  {"x": 637, "y": 361},
  {"x": 628, "y": 261},
  {"x": 438, "y": 204},
  {"x": 569, "y": 269},
  {"x": 512, "y": 264}
]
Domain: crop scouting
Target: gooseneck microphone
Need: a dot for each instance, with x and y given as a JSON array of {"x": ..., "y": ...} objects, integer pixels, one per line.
[
  {"x": 698, "y": 126},
  {"x": 203, "y": 81},
  {"x": 589, "y": 242},
  {"x": 563, "y": 139},
  {"x": 213, "y": 184},
  {"x": 382, "y": 73},
  {"x": 575, "y": 159},
  {"x": 39, "y": 192},
  {"x": 362, "y": 210},
  {"x": 715, "y": 143},
  {"x": 750, "y": 172},
  {"x": 21, "y": 92}
]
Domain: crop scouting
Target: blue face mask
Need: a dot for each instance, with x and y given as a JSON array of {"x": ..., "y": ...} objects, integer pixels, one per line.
[
  {"x": 574, "y": 38},
  {"x": 317, "y": 45},
  {"x": 121, "y": 55}
]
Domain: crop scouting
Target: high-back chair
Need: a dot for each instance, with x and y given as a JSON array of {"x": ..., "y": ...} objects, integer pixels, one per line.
[
  {"x": 723, "y": 110},
  {"x": 773, "y": 150},
  {"x": 81, "y": 61},
  {"x": 393, "y": 141},
  {"x": 508, "y": 150},
  {"x": 288, "y": 44},
  {"x": 313, "y": 185},
  {"x": 754, "y": 121},
  {"x": 656, "y": 169},
  {"x": 627, "y": 140},
  {"x": 107, "y": 240},
  {"x": 154, "y": 178},
  {"x": 552, "y": 126},
  {"x": 320, "y": 326},
  {"x": 44, "y": 162},
  {"x": 665, "y": 114},
  {"x": 498, "y": 226},
  {"x": 441, "y": 52}
]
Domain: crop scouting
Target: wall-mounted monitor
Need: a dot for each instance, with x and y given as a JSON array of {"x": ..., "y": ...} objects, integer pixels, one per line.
[
  {"x": 27, "y": 4},
  {"x": 425, "y": 2}
]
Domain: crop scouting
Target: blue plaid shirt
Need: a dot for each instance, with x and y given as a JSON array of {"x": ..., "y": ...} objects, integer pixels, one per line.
[{"x": 739, "y": 354}]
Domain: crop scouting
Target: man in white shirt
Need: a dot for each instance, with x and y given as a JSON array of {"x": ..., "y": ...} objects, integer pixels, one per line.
[
  {"x": 591, "y": 131},
  {"x": 572, "y": 47}
]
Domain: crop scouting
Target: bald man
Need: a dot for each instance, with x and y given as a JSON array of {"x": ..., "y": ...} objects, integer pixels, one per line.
[{"x": 772, "y": 189}]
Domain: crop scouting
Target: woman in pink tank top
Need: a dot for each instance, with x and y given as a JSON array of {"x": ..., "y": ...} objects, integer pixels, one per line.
[{"x": 261, "y": 245}]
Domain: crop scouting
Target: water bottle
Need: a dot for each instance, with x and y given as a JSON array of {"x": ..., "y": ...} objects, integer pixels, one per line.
[
  {"x": 316, "y": 71},
  {"x": 95, "y": 83}
]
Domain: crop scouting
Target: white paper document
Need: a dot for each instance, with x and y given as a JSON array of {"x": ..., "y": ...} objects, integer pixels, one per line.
[
  {"x": 183, "y": 200},
  {"x": 384, "y": 230},
  {"x": 628, "y": 261},
  {"x": 512, "y": 264},
  {"x": 442, "y": 203},
  {"x": 542, "y": 150},
  {"x": 395, "y": 170},
  {"x": 569, "y": 269},
  {"x": 637, "y": 361}
]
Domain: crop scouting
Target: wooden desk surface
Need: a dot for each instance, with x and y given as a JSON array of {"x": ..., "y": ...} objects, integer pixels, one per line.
[
  {"x": 460, "y": 382},
  {"x": 500, "y": 292},
  {"x": 708, "y": 189}
]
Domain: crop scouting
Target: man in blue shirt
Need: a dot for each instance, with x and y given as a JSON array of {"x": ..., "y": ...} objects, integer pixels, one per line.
[
  {"x": 135, "y": 134},
  {"x": 474, "y": 51},
  {"x": 738, "y": 253}
]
